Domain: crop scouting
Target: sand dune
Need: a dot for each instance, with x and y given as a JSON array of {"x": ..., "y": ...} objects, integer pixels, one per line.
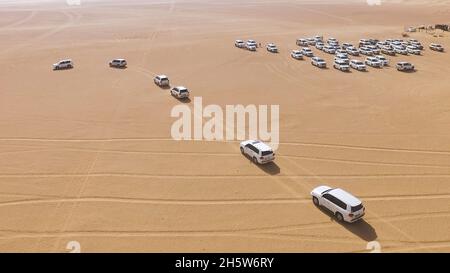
[{"x": 86, "y": 154}]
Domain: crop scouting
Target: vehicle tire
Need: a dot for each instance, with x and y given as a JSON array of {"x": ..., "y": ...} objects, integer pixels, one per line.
[
  {"x": 315, "y": 201},
  {"x": 339, "y": 217},
  {"x": 242, "y": 150},
  {"x": 255, "y": 160}
]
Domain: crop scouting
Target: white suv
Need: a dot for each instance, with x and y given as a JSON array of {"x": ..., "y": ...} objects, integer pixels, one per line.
[
  {"x": 180, "y": 92},
  {"x": 118, "y": 63},
  {"x": 259, "y": 152},
  {"x": 161, "y": 80},
  {"x": 384, "y": 61},
  {"x": 413, "y": 50},
  {"x": 297, "y": 54},
  {"x": 405, "y": 66},
  {"x": 373, "y": 62},
  {"x": 239, "y": 44},
  {"x": 63, "y": 64},
  {"x": 319, "y": 62},
  {"x": 343, "y": 205},
  {"x": 437, "y": 47},
  {"x": 329, "y": 49},
  {"x": 341, "y": 64},
  {"x": 272, "y": 48},
  {"x": 307, "y": 52},
  {"x": 358, "y": 65}
]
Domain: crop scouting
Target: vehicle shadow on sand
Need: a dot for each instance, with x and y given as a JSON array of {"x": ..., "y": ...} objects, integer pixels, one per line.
[
  {"x": 361, "y": 228},
  {"x": 270, "y": 168},
  {"x": 183, "y": 100}
]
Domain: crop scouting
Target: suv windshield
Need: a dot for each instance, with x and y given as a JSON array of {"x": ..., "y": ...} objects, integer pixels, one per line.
[
  {"x": 356, "y": 208},
  {"x": 264, "y": 153}
]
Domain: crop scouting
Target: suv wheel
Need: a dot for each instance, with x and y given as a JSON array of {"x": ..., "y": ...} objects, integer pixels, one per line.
[
  {"x": 339, "y": 217},
  {"x": 315, "y": 201},
  {"x": 255, "y": 160},
  {"x": 242, "y": 150}
]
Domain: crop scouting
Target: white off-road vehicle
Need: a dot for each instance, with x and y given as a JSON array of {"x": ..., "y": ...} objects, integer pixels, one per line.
[
  {"x": 319, "y": 62},
  {"x": 297, "y": 54},
  {"x": 118, "y": 63},
  {"x": 413, "y": 50},
  {"x": 239, "y": 43},
  {"x": 63, "y": 64},
  {"x": 341, "y": 65},
  {"x": 405, "y": 66},
  {"x": 307, "y": 52},
  {"x": 161, "y": 80},
  {"x": 343, "y": 205},
  {"x": 373, "y": 62},
  {"x": 272, "y": 48},
  {"x": 180, "y": 92},
  {"x": 384, "y": 61},
  {"x": 302, "y": 42},
  {"x": 358, "y": 65},
  {"x": 352, "y": 51},
  {"x": 437, "y": 47},
  {"x": 259, "y": 152}
]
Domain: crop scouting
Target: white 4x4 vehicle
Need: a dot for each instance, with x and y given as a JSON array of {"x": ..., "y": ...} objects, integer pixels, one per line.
[
  {"x": 259, "y": 152},
  {"x": 180, "y": 92},
  {"x": 302, "y": 42},
  {"x": 366, "y": 51},
  {"x": 239, "y": 44},
  {"x": 437, "y": 47},
  {"x": 307, "y": 52},
  {"x": 341, "y": 64},
  {"x": 358, "y": 65},
  {"x": 118, "y": 63},
  {"x": 297, "y": 54},
  {"x": 413, "y": 50},
  {"x": 272, "y": 48},
  {"x": 352, "y": 51},
  {"x": 405, "y": 66},
  {"x": 63, "y": 64},
  {"x": 329, "y": 49},
  {"x": 384, "y": 61},
  {"x": 343, "y": 205},
  {"x": 319, "y": 62},
  {"x": 161, "y": 80},
  {"x": 373, "y": 62}
]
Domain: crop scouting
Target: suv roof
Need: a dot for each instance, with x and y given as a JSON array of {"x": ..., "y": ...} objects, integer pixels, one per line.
[
  {"x": 345, "y": 197},
  {"x": 261, "y": 146}
]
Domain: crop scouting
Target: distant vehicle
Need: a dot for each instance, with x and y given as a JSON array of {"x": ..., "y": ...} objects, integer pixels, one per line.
[
  {"x": 375, "y": 49},
  {"x": 319, "y": 62},
  {"x": 118, "y": 63},
  {"x": 63, "y": 64},
  {"x": 297, "y": 54},
  {"x": 307, "y": 52},
  {"x": 318, "y": 38},
  {"x": 341, "y": 52},
  {"x": 250, "y": 47},
  {"x": 366, "y": 51},
  {"x": 302, "y": 42},
  {"x": 329, "y": 49},
  {"x": 405, "y": 66},
  {"x": 311, "y": 41},
  {"x": 180, "y": 92},
  {"x": 343, "y": 205},
  {"x": 358, "y": 65},
  {"x": 415, "y": 43},
  {"x": 373, "y": 62},
  {"x": 346, "y": 45},
  {"x": 400, "y": 50},
  {"x": 413, "y": 50},
  {"x": 332, "y": 40},
  {"x": 161, "y": 80},
  {"x": 272, "y": 48},
  {"x": 437, "y": 47},
  {"x": 383, "y": 60},
  {"x": 388, "y": 50},
  {"x": 239, "y": 43},
  {"x": 352, "y": 51},
  {"x": 259, "y": 152},
  {"x": 341, "y": 65},
  {"x": 320, "y": 45}
]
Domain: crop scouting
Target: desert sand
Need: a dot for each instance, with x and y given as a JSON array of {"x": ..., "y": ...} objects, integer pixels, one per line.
[{"x": 86, "y": 154}]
